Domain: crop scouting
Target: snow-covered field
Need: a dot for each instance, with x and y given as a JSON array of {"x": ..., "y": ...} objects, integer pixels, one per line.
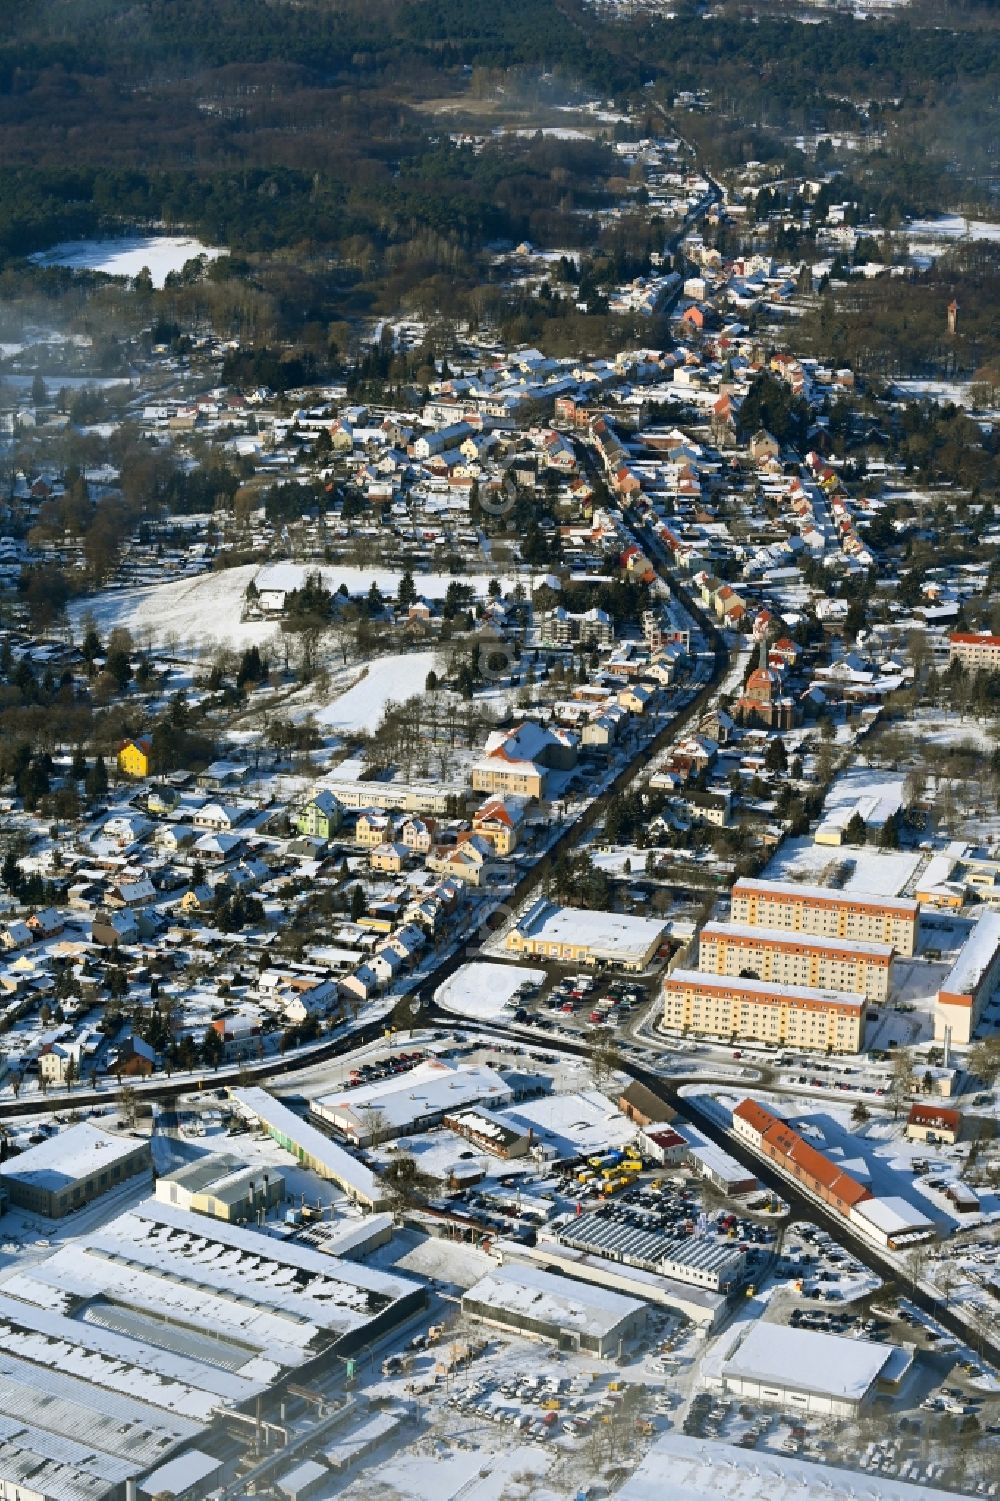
[
  {"x": 956, "y": 391},
  {"x": 862, "y": 868},
  {"x": 191, "y": 612},
  {"x": 393, "y": 678},
  {"x": 206, "y": 610},
  {"x": 480, "y": 990},
  {"x": 161, "y": 254},
  {"x": 952, "y": 227},
  {"x": 358, "y": 581}
]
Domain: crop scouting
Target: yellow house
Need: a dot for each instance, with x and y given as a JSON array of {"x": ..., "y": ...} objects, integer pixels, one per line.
[
  {"x": 388, "y": 856},
  {"x": 497, "y": 821},
  {"x": 134, "y": 757}
]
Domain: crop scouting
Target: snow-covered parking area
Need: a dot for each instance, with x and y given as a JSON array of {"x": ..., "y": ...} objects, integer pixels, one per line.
[{"x": 482, "y": 990}]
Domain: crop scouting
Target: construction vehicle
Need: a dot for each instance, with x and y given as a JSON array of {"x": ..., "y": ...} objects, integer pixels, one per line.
[{"x": 552, "y": 1404}]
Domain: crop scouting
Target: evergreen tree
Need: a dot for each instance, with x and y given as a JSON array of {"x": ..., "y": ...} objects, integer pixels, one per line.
[
  {"x": 96, "y": 781},
  {"x": 407, "y": 592}
]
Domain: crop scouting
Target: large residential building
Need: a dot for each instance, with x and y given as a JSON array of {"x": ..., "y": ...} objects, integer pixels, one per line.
[
  {"x": 976, "y": 652},
  {"x": 575, "y": 935},
  {"x": 826, "y": 912},
  {"x": 785, "y": 958},
  {"x": 798, "y": 1016},
  {"x": 518, "y": 761},
  {"x": 970, "y": 983}
]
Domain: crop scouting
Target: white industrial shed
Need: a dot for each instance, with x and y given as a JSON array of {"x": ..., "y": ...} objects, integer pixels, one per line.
[{"x": 807, "y": 1370}]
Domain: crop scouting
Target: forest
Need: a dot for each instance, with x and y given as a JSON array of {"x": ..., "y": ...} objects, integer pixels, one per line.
[{"x": 278, "y": 125}]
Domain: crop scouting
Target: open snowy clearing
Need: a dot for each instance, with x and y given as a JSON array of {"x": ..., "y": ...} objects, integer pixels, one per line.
[
  {"x": 955, "y": 391},
  {"x": 161, "y": 254},
  {"x": 952, "y": 227},
  {"x": 388, "y": 679},
  {"x": 358, "y": 581},
  {"x": 206, "y": 610},
  {"x": 480, "y": 990},
  {"x": 850, "y": 867},
  {"x": 189, "y": 612}
]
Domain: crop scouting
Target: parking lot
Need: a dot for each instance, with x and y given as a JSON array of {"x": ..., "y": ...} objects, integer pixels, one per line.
[{"x": 579, "y": 1005}]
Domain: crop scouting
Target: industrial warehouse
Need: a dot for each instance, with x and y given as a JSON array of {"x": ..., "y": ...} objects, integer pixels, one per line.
[
  {"x": 574, "y": 1315},
  {"x": 810, "y": 1371},
  {"x": 139, "y": 1335}
]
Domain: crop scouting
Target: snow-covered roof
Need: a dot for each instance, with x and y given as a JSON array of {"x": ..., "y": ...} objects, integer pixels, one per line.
[
  {"x": 547, "y": 1298},
  {"x": 974, "y": 957},
  {"x": 68, "y": 1157},
  {"x": 430, "y": 1089},
  {"x": 338, "y": 1164},
  {"x": 893, "y": 1216},
  {"x": 610, "y": 935},
  {"x": 806, "y": 1360},
  {"x": 693, "y": 1469},
  {"x": 180, "y": 1474},
  {"x": 765, "y": 936}
]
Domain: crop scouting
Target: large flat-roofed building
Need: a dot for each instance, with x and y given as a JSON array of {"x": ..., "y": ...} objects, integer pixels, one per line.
[
  {"x": 407, "y": 1103},
  {"x": 577, "y": 936},
  {"x": 701, "y": 1260},
  {"x": 807, "y": 1370},
  {"x": 224, "y": 1187},
  {"x": 825, "y": 912},
  {"x": 977, "y": 651},
  {"x": 970, "y": 982},
  {"x": 314, "y": 1150},
  {"x": 543, "y": 1305},
  {"x": 70, "y": 1169},
  {"x": 754, "y": 1011},
  {"x": 62, "y": 1437},
  {"x": 785, "y": 958},
  {"x": 192, "y": 1313},
  {"x": 705, "y": 1308}
]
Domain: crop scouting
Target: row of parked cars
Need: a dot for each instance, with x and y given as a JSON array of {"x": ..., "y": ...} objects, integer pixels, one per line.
[{"x": 370, "y": 1073}]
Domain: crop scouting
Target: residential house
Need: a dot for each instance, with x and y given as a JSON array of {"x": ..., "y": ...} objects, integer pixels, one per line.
[
  {"x": 219, "y": 817},
  {"x": 373, "y": 828},
  {"x": 518, "y": 761},
  {"x": 499, "y": 820},
  {"x": 417, "y": 834},
  {"x": 389, "y": 857},
  {"x": 134, "y": 757},
  {"x": 321, "y": 816}
]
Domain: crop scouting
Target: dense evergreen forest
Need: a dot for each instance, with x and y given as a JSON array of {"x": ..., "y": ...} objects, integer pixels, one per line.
[{"x": 268, "y": 124}]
